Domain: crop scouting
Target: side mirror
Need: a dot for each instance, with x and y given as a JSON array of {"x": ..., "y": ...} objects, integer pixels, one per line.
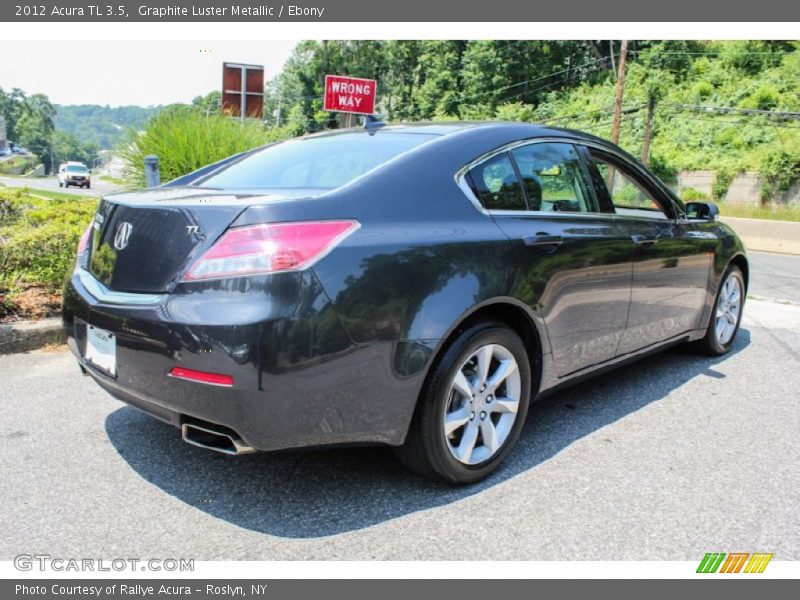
[{"x": 702, "y": 211}]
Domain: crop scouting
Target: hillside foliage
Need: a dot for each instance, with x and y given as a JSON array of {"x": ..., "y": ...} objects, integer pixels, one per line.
[{"x": 718, "y": 105}]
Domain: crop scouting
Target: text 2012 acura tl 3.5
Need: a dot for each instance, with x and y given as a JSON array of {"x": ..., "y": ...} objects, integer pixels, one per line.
[{"x": 413, "y": 286}]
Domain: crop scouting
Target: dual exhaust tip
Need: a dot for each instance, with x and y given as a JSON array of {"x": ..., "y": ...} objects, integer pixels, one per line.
[{"x": 214, "y": 437}]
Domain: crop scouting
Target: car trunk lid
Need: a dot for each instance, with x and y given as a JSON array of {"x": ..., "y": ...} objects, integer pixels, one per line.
[{"x": 145, "y": 241}]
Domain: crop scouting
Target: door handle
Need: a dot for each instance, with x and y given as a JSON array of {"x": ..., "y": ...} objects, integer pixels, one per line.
[
  {"x": 543, "y": 239},
  {"x": 643, "y": 240}
]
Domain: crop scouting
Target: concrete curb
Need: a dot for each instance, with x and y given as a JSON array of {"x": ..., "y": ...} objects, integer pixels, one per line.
[
  {"x": 765, "y": 235},
  {"x": 23, "y": 336}
]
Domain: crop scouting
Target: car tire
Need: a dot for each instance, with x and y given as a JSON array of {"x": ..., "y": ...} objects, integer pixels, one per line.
[
  {"x": 60, "y": 184},
  {"x": 726, "y": 315},
  {"x": 447, "y": 457},
  {"x": 88, "y": 186}
]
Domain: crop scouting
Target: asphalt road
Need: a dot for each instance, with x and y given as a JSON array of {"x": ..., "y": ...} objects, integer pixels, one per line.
[
  {"x": 775, "y": 276},
  {"x": 99, "y": 187},
  {"x": 665, "y": 459}
]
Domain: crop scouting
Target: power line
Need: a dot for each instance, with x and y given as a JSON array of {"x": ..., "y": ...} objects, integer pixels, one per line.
[
  {"x": 542, "y": 78},
  {"x": 714, "y": 53},
  {"x": 732, "y": 122},
  {"x": 730, "y": 109}
]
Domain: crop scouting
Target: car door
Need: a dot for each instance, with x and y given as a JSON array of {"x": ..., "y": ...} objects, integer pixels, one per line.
[
  {"x": 574, "y": 262},
  {"x": 671, "y": 257}
]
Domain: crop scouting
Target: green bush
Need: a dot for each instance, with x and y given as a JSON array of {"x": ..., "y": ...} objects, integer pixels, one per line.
[
  {"x": 662, "y": 169},
  {"x": 185, "y": 139},
  {"x": 702, "y": 90},
  {"x": 515, "y": 111},
  {"x": 38, "y": 239},
  {"x": 693, "y": 195},
  {"x": 780, "y": 168},
  {"x": 723, "y": 177},
  {"x": 764, "y": 98}
]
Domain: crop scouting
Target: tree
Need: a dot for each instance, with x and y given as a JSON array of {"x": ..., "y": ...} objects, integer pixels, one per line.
[
  {"x": 11, "y": 106},
  {"x": 67, "y": 147},
  {"x": 209, "y": 104},
  {"x": 34, "y": 128},
  {"x": 439, "y": 68}
]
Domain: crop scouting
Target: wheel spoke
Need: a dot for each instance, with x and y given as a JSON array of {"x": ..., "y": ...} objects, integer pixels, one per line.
[
  {"x": 720, "y": 329},
  {"x": 455, "y": 419},
  {"x": 467, "y": 445},
  {"x": 506, "y": 368},
  {"x": 489, "y": 435},
  {"x": 462, "y": 385},
  {"x": 504, "y": 405},
  {"x": 484, "y": 362}
]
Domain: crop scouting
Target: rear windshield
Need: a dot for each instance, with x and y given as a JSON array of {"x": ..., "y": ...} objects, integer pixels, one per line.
[{"x": 323, "y": 162}]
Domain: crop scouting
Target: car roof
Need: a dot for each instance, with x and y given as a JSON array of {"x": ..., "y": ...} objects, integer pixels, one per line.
[{"x": 446, "y": 128}]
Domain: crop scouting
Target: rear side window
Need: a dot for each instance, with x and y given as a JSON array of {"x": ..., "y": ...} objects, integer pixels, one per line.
[
  {"x": 496, "y": 184},
  {"x": 323, "y": 162}
]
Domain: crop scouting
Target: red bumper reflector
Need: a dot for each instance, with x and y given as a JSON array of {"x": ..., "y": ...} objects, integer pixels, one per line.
[{"x": 201, "y": 376}]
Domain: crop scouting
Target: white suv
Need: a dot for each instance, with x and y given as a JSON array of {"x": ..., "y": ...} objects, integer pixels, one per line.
[{"x": 74, "y": 173}]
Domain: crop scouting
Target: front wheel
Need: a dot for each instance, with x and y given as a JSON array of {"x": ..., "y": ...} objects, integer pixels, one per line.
[
  {"x": 472, "y": 408},
  {"x": 727, "y": 316}
]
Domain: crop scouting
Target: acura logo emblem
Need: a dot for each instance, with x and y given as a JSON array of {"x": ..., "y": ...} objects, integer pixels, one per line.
[{"x": 123, "y": 235}]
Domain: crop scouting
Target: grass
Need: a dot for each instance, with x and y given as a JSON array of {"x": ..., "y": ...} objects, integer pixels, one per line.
[
  {"x": 11, "y": 165},
  {"x": 114, "y": 180},
  {"x": 770, "y": 212},
  {"x": 53, "y": 195}
]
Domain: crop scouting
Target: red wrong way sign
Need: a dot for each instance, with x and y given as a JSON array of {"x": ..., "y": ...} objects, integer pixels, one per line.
[{"x": 349, "y": 94}]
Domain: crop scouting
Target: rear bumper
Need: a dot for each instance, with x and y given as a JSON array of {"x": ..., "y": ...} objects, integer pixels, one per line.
[{"x": 298, "y": 378}]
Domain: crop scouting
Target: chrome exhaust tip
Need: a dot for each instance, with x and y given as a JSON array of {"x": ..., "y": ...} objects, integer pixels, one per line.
[{"x": 218, "y": 440}]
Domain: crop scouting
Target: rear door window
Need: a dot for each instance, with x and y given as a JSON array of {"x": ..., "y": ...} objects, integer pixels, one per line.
[
  {"x": 496, "y": 184},
  {"x": 554, "y": 178}
]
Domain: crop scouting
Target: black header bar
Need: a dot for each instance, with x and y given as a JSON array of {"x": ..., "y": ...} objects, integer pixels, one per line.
[{"x": 405, "y": 11}]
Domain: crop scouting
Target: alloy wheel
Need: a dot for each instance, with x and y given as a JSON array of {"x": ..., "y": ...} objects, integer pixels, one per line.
[
  {"x": 728, "y": 310},
  {"x": 482, "y": 404}
]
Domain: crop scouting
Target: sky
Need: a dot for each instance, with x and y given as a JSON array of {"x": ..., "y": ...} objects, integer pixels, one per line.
[{"x": 143, "y": 73}]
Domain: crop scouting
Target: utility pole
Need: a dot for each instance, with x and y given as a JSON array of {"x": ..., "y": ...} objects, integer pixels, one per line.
[
  {"x": 611, "y": 51},
  {"x": 648, "y": 129},
  {"x": 623, "y": 54}
]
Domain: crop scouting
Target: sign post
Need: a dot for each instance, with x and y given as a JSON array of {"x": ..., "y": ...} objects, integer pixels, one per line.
[
  {"x": 242, "y": 90},
  {"x": 351, "y": 95}
]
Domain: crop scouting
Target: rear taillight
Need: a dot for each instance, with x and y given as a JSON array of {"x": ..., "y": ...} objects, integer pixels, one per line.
[
  {"x": 84, "y": 243},
  {"x": 269, "y": 248}
]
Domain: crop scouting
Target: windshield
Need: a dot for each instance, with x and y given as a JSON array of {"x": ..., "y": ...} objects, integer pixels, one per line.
[
  {"x": 322, "y": 162},
  {"x": 76, "y": 169}
]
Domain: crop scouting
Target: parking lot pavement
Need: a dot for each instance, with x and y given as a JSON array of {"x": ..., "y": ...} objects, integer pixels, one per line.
[{"x": 665, "y": 459}]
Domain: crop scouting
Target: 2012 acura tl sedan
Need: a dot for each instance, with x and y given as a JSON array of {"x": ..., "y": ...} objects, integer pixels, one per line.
[{"x": 413, "y": 286}]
